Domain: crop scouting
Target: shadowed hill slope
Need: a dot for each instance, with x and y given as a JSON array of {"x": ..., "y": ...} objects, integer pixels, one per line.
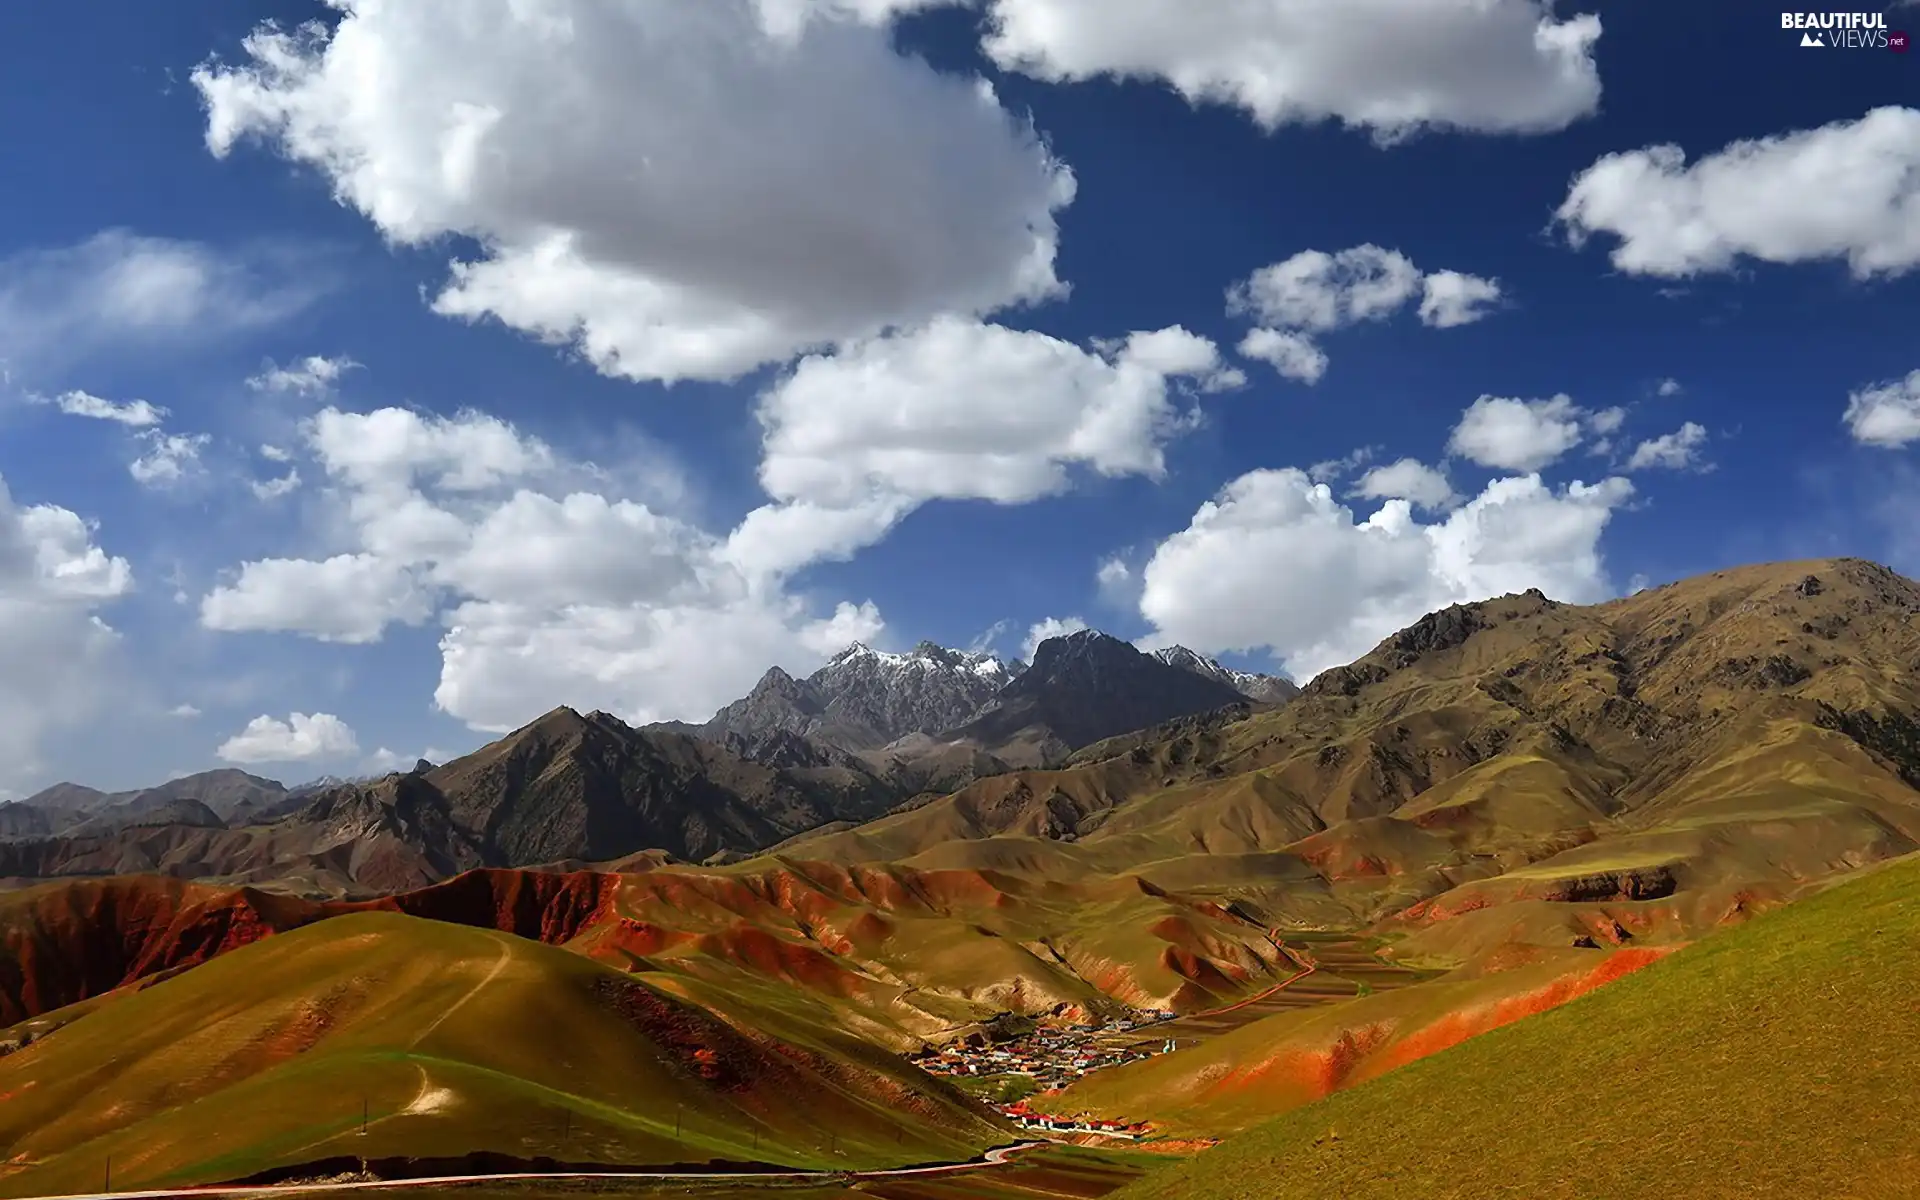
[
  {"x": 1778, "y": 1059},
  {"x": 455, "y": 1040},
  {"x": 1083, "y": 688},
  {"x": 566, "y": 787}
]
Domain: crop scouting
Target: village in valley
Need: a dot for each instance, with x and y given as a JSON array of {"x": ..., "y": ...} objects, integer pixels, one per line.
[{"x": 1043, "y": 1059}]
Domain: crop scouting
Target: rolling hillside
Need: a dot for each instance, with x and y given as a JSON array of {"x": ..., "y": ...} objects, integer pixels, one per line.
[
  {"x": 1511, "y": 772},
  {"x": 454, "y": 1040},
  {"x": 1781, "y": 1058}
]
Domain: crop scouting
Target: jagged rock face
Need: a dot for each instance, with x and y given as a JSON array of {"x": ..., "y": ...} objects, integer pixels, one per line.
[
  {"x": 1441, "y": 630},
  {"x": 1268, "y": 689},
  {"x": 926, "y": 691},
  {"x": 1091, "y": 686},
  {"x": 865, "y": 698},
  {"x": 779, "y": 703}
]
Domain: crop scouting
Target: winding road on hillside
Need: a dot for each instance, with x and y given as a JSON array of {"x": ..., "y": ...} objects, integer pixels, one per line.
[
  {"x": 1304, "y": 965},
  {"x": 998, "y": 1157}
]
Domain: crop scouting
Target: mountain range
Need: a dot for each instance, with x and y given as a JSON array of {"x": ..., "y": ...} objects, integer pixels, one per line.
[
  {"x": 840, "y": 747},
  {"x": 1081, "y": 688},
  {"x": 1505, "y": 805}
]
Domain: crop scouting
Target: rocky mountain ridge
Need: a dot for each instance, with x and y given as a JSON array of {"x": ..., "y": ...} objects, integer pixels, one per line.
[
  {"x": 864, "y": 699},
  {"x": 1265, "y": 689},
  {"x": 894, "y": 709},
  {"x": 566, "y": 787}
]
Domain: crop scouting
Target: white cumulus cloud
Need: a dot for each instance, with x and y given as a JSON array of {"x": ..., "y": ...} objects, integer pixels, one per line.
[
  {"x": 169, "y": 458},
  {"x": 347, "y": 598},
  {"x": 1052, "y": 627},
  {"x": 1886, "y": 414},
  {"x": 676, "y": 189},
  {"x": 1846, "y": 191},
  {"x": 1449, "y": 299},
  {"x": 1393, "y": 67},
  {"x": 1294, "y": 355},
  {"x": 1276, "y": 563},
  {"x": 1676, "y": 451},
  {"x": 56, "y": 654},
  {"x": 1316, "y": 292},
  {"x": 959, "y": 410},
  {"x": 299, "y": 738},
  {"x": 548, "y": 592},
  {"x": 1407, "y": 479},
  {"x": 1517, "y": 435}
]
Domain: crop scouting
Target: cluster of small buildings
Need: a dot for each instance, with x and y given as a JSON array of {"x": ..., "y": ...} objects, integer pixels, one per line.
[
  {"x": 1051, "y": 1057},
  {"x": 1038, "y": 1122}
]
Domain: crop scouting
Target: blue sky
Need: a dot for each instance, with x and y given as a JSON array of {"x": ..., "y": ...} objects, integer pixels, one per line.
[{"x": 778, "y": 330}]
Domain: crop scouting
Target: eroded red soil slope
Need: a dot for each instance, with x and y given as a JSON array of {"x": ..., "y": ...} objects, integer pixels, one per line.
[{"x": 72, "y": 940}]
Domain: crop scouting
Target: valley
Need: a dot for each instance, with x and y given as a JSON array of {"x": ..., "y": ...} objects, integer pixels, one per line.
[{"x": 749, "y": 944}]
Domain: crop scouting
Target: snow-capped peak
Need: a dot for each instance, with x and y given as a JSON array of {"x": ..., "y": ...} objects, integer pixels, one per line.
[
  {"x": 925, "y": 657},
  {"x": 1270, "y": 688}
]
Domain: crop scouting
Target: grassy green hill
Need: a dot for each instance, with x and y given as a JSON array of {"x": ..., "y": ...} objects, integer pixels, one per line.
[
  {"x": 454, "y": 1040},
  {"x": 1242, "y": 1076},
  {"x": 1780, "y": 1058}
]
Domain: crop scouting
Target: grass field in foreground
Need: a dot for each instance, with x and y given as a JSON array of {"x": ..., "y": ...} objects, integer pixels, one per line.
[{"x": 1779, "y": 1058}]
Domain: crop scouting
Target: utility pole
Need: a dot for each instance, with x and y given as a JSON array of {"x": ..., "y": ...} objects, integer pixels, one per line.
[
  {"x": 363, "y": 1116},
  {"x": 109, "y": 1186}
]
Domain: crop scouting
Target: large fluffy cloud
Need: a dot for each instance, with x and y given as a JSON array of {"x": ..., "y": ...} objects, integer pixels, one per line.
[
  {"x": 959, "y": 411},
  {"x": 676, "y": 188},
  {"x": 550, "y": 593},
  {"x": 1849, "y": 191},
  {"x": 1277, "y": 563},
  {"x": 967, "y": 411},
  {"x": 1886, "y": 414},
  {"x": 54, "y": 649},
  {"x": 1390, "y": 66},
  {"x": 1315, "y": 292}
]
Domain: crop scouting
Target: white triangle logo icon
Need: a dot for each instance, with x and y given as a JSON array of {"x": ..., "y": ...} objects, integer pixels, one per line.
[{"x": 1809, "y": 39}]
